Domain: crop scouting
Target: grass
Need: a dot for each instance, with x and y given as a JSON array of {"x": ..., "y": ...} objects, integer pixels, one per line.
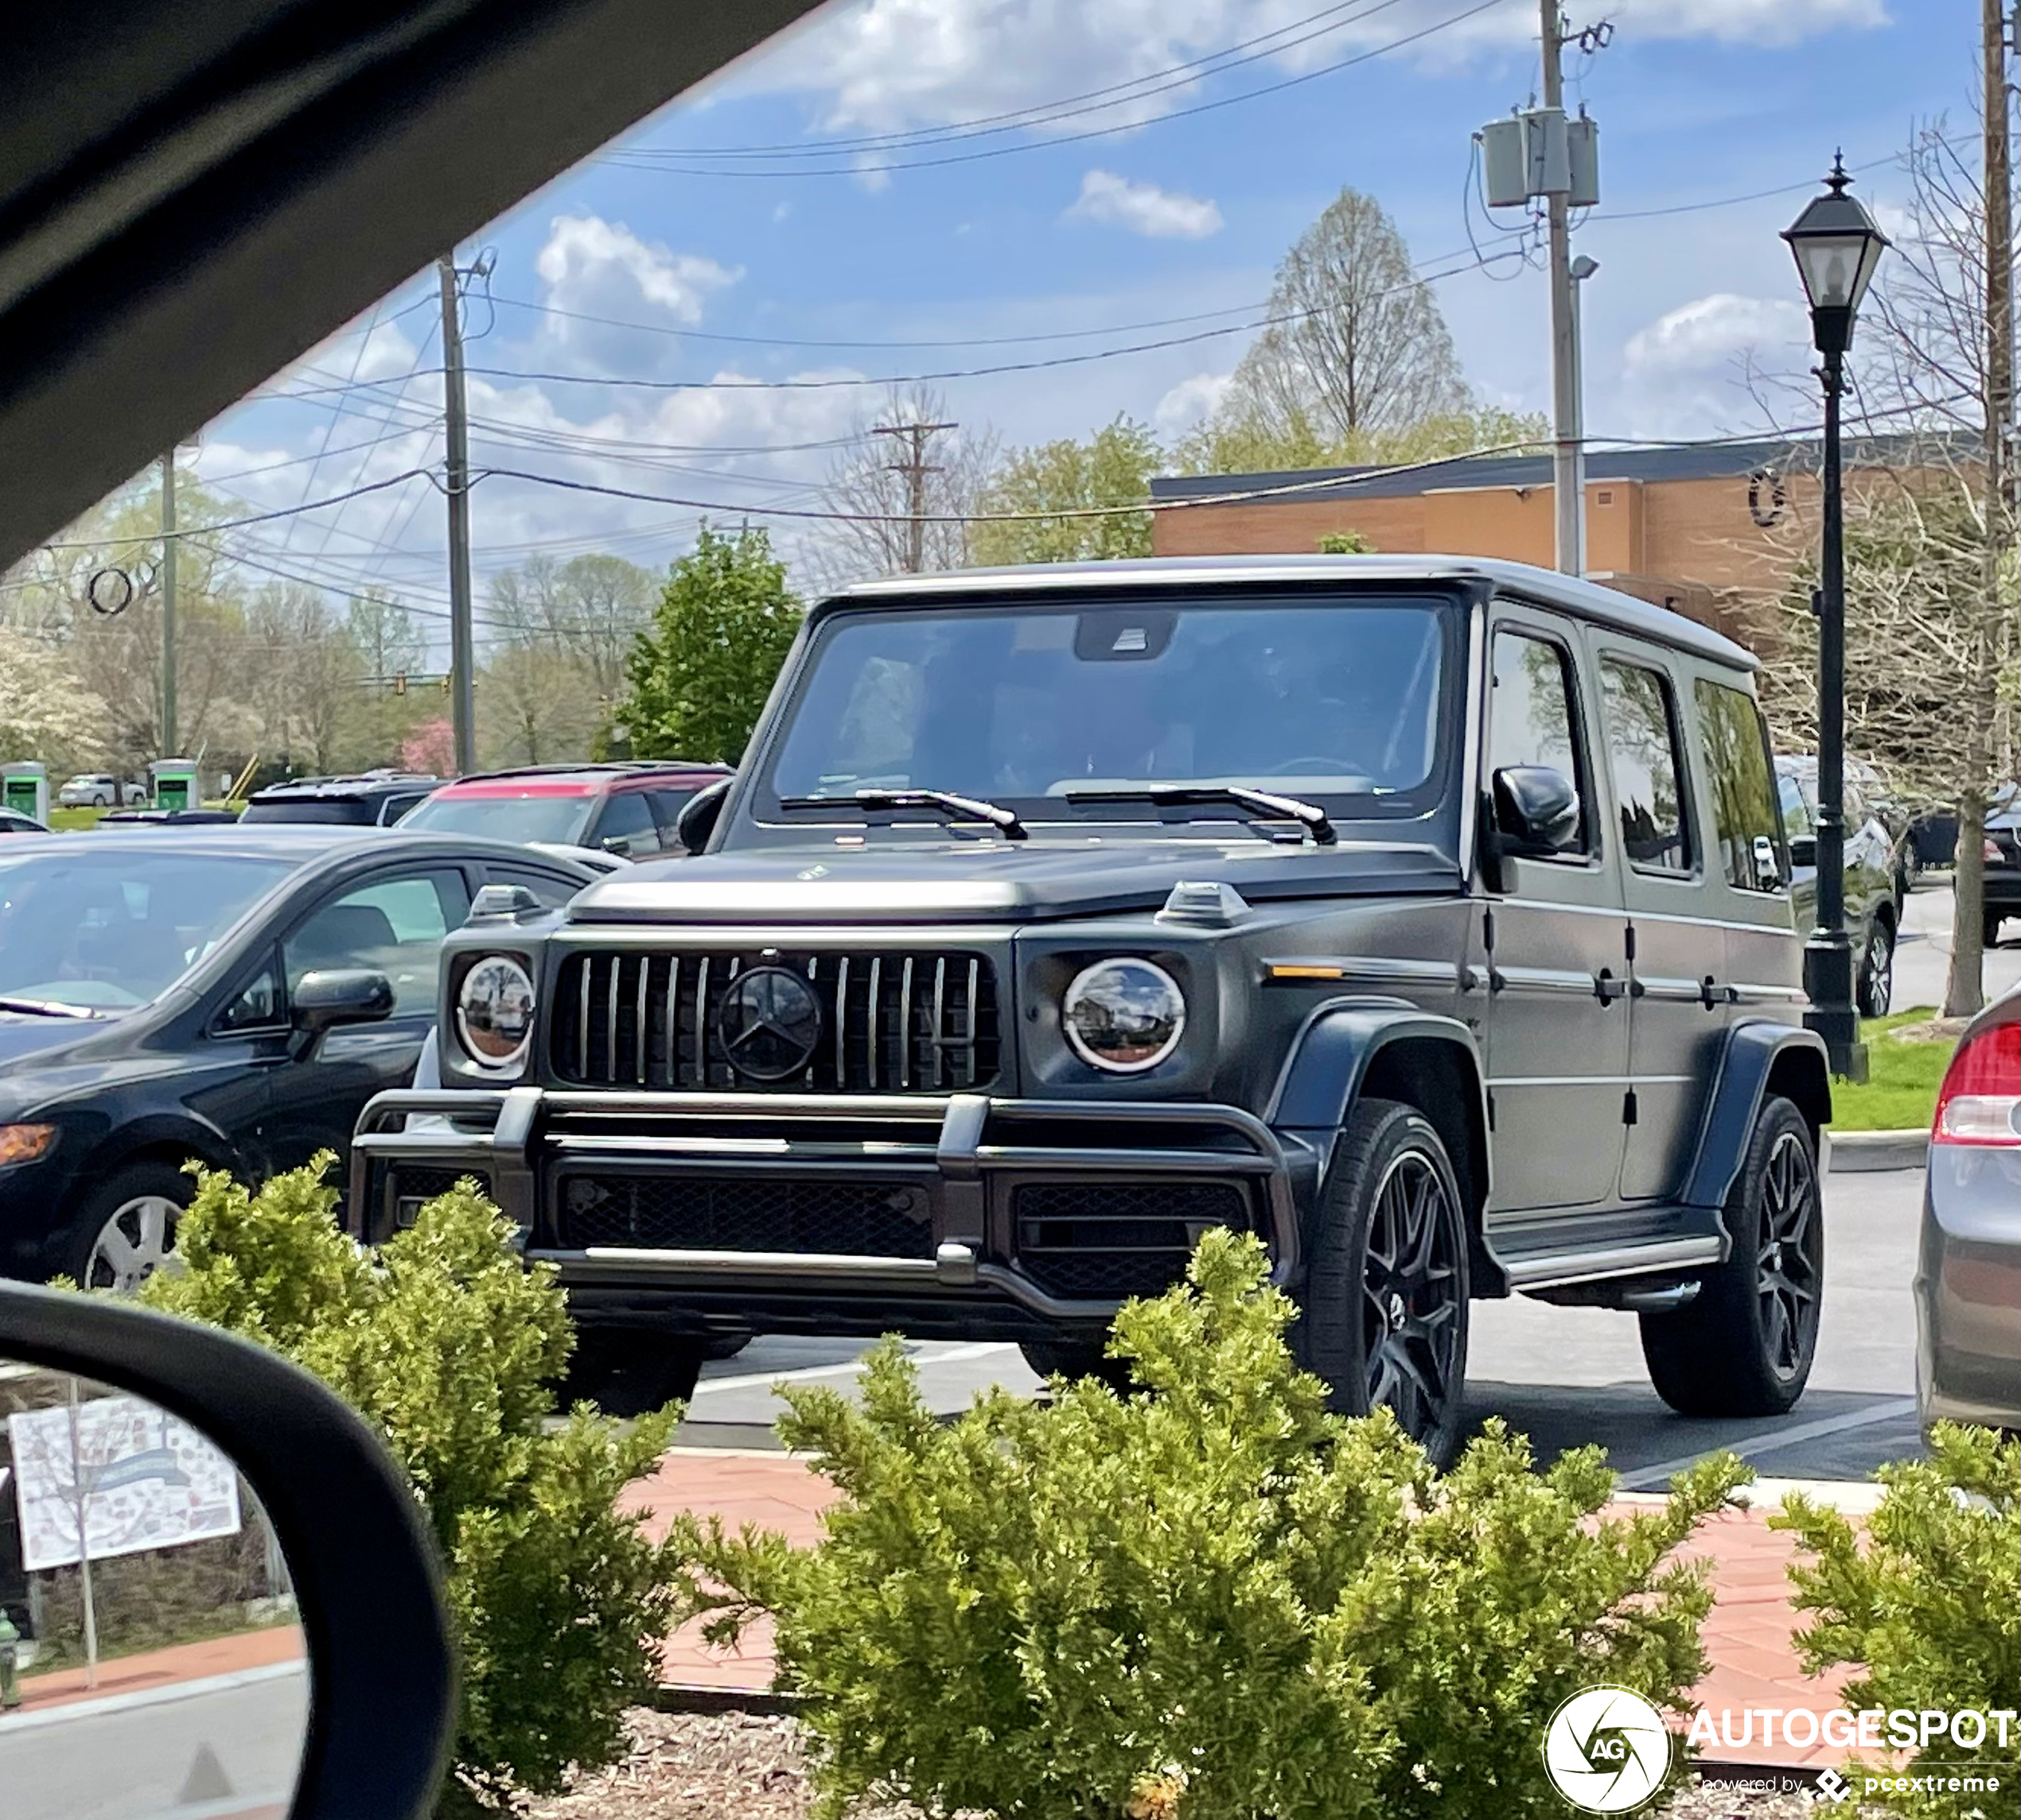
[
  {"x": 1899, "y": 1093},
  {"x": 70, "y": 821}
]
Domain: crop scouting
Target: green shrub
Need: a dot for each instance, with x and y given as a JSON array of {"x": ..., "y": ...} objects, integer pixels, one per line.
[
  {"x": 1930, "y": 1607},
  {"x": 1217, "y": 1599},
  {"x": 447, "y": 1343}
]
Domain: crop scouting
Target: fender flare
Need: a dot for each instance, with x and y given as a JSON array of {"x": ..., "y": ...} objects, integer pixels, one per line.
[
  {"x": 1758, "y": 1054},
  {"x": 1330, "y": 1062}
]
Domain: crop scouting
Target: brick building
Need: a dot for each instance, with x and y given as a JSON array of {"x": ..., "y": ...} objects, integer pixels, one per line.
[{"x": 1699, "y": 529}]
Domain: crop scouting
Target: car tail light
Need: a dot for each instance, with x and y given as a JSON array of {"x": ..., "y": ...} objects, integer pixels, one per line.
[{"x": 1980, "y": 1100}]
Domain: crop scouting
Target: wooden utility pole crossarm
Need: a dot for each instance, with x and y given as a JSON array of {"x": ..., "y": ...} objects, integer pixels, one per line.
[{"x": 915, "y": 468}]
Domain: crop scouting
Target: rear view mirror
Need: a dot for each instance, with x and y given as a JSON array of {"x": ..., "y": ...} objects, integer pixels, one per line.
[
  {"x": 1537, "y": 811},
  {"x": 164, "y": 1475},
  {"x": 342, "y": 995}
]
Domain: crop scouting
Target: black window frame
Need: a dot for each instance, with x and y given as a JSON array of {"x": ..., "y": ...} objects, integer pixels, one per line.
[
  {"x": 597, "y": 832},
  {"x": 1591, "y": 851},
  {"x": 242, "y": 983},
  {"x": 1692, "y": 871}
]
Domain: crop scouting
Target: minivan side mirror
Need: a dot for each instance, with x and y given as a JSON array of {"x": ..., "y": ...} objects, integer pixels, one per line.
[
  {"x": 1536, "y": 810},
  {"x": 341, "y": 995},
  {"x": 697, "y": 819},
  {"x": 1803, "y": 850}
]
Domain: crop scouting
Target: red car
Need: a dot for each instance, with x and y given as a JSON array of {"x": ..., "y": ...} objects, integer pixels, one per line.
[{"x": 627, "y": 808}]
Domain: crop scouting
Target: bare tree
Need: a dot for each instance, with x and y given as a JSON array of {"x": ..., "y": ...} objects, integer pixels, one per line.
[
  {"x": 868, "y": 486},
  {"x": 1359, "y": 347}
]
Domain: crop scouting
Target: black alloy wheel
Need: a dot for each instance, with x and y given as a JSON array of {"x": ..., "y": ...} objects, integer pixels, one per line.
[
  {"x": 1386, "y": 1303},
  {"x": 1744, "y": 1346}
]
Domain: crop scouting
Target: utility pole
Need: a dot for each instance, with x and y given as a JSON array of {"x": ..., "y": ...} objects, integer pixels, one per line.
[
  {"x": 169, "y": 736},
  {"x": 915, "y": 468},
  {"x": 462, "y": 656},
  {"x": 1568, "y": 452}
]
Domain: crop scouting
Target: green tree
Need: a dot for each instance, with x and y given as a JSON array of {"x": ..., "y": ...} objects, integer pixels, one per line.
[
  {"x": 700, "y": 674},
  {"x": 1036, "y": 489},
  {"x": 1240, "y": 441},
  {"x": 446, "y": 1344}
]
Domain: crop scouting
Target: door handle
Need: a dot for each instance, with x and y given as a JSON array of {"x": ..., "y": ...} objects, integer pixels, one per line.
[
  {"x": 1713, "y": 995},
  {"x": 1607, "y": 989}
]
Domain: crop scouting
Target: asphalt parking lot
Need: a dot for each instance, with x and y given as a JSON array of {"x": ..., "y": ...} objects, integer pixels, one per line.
[{"x": 1564, "y": 1376}]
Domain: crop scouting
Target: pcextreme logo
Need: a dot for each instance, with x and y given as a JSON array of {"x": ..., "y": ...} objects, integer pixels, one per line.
[{"x": 1606, "y": 1750}]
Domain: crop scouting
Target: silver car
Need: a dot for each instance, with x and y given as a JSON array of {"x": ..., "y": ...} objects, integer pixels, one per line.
[{"x": 1968, "y": 1266}]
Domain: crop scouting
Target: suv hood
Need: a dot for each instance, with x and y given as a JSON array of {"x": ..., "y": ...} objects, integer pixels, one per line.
[{"x": 976, "y": 881}]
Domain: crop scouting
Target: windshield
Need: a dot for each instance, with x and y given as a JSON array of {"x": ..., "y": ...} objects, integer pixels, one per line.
[
  {"x": 109, "y": 929},
  {"x": 545, "y": 816},
  {"x": 1311, "y": 699}
]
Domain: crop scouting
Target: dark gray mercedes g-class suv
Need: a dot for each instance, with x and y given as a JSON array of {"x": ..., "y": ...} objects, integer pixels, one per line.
[{"x": 1427, "y": 917}]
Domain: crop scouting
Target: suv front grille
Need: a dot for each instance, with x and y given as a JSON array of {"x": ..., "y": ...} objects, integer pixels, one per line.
[
  {"x": 1100, "y": 1240},
  {"x": 842, "y": 1215},
  {"x": 903, "y": 1021}
]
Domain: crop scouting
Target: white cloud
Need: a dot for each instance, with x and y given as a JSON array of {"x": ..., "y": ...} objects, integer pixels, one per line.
[
  {"x": 597, "y": 267},
  {"x": 1718, "y": 365},
  {"x": 1713, "y": 332},
  {"x": 1190, "y": 401},
  {"x": 1143, "y": 209},
  {"x": 884, "y": 65}
]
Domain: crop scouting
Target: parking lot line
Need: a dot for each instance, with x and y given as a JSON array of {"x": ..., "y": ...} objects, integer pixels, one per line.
[{"x": 1894, "y": 1410}]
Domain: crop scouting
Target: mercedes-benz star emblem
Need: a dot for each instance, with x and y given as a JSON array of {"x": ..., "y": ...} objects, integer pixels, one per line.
[{"x": 769, "y": 1022}]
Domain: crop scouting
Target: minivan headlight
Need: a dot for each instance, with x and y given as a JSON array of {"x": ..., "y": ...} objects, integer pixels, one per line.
[
  {"x": 1123, "y": 1016},
  {"x": 494, "y": 1014}
]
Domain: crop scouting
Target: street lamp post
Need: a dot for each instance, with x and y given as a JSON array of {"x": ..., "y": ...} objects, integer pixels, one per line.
[{"x": 1837, "y": 247}]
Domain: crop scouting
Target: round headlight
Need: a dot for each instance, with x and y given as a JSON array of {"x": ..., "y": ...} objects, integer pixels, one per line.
[
  {"x": 1124, "y": 1016},
  {"x": 494, "y": 1013}
]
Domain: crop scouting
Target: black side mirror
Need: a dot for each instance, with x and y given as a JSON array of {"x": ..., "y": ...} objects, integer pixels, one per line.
[
  {"x": 697, "y": 819},
  {"x": 360, "y": 1565},
  {"x": 1803, "y": 850},
  {"x": 342, "y": 995},
  {"x": 1536, "y": 810}
]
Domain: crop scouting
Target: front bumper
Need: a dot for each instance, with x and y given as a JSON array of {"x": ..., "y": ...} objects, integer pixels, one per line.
[{"x": 963, "y": 1216}]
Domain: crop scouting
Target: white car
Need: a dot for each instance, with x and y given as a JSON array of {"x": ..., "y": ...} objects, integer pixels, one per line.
[{"x": 99, "y": 790}]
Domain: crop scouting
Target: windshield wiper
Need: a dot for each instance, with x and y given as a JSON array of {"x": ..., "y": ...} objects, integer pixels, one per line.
[
  {"x": 956, "y": 808},
  {"x": 1261, "y": 804},
  {"x": 48, "y": 1007}
]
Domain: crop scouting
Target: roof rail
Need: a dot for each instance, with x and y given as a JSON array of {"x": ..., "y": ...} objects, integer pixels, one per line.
[{"x": 614, "y": 767}]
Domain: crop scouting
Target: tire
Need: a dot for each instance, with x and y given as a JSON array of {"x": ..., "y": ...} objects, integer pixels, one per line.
[
  {"x": 724, "y": 1345},
  {"x": 1876, "y": 989},
  {"x": 1386, "y": 1301},
  {"x": 628, "y": 1373},
  {"x": 125, "y": 1231},
  {"x": 1745, "y": 1345},
  {"x": 99, "y": 803}
]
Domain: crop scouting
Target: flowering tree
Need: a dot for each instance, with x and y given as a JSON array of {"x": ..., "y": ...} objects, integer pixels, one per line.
[
  {"x": 45, "y": 711},
  {"x": 431, "y": 747}
]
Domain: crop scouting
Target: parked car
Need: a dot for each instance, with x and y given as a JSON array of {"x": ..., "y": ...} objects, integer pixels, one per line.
[
  {"x": 231, "y": 995},
  {"x": 99, "y": 790},
  {"x": 2002, "y": 874},
  {"x": 1059, "y": 914},
  {"x": 1969, "y": 1263},
  {"x": 168, "y": 818},
  {"x": 1873, "y": 887},
  {"x": 373, "y": 798},
  {"x": 11, "y": 823},
  {"x": 629, "y": 809}
]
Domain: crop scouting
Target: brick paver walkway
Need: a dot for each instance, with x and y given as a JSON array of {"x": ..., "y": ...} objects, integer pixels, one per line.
[
  {"x": 153, "y": 1669},
  {"x": 1747, "y": 1635}
]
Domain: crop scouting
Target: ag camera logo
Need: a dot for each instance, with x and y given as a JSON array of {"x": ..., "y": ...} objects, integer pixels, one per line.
[{"x": 1606, "y": 1750}]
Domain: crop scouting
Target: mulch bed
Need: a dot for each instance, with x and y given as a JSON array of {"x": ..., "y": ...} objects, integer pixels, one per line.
[{"x": 739, "y": 1766}]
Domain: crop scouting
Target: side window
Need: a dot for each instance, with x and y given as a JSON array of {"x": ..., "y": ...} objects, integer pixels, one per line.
[
  {"x": 1747, "y": 820},
  {"x": 395, "y": 807},
  {"x": 626, "y": 826},
  {"x": 549, "y": 892},
  {"x": 1534, "y": 714},
  {"x": 258, "y": 1005},
  {"x": 666, "y": 805},
  {"x": 1796, "y": 822},
  {"x": 1643, "y": 752},
  {"x": 394, "y": 926}
]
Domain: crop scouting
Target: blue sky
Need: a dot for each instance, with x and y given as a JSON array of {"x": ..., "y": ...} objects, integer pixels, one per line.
[{"x": 1161, "y": 196}]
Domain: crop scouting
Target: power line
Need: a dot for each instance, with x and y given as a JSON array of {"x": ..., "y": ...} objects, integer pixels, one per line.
[{"x": 858, "y": 169}]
